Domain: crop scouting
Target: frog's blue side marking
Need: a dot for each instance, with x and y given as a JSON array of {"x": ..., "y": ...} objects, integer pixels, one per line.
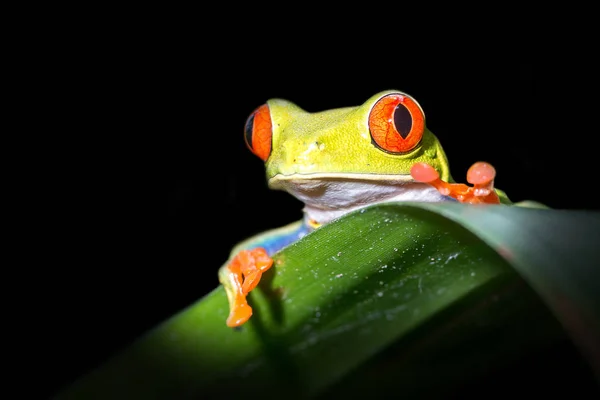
[
  {"x": 274, "y": 243},
  {"x": 275, "y": 239}
]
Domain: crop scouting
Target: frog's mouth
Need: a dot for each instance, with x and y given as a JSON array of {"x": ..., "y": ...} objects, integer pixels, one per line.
[{"x": 327, "y": 196}]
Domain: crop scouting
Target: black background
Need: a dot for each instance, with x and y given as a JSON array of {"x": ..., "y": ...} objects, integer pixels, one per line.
[{"x": 174, "y": 186}]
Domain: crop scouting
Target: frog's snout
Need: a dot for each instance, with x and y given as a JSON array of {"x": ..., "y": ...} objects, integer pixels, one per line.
[{"x": 303, "y": 161}]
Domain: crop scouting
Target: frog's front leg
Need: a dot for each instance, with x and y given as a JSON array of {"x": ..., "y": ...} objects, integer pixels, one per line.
[
  {"x": 481, "y": 175},
  {"x": 247, "y": 263},
  {"x": 239, "y": 277}
]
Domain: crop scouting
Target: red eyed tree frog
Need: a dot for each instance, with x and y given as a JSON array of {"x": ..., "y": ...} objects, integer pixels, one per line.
[{"x": 338, "y": 161}]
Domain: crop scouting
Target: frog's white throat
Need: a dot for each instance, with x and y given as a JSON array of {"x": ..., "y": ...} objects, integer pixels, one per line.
[{"x": 329, "y": 196}]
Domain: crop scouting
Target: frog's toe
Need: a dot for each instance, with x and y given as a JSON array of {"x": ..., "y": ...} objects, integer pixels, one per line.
[
  {"x": 239, "y": 315},
  {"x": 481, "y": 173},
  {"x": 250, "y": 281},
  {"x": 423, "y": 172}
]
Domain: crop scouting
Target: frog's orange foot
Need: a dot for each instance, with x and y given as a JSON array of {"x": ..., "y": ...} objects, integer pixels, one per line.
[
  {"x": 239, "y": 314},
  {"x": 423, "y": 172},
  {"x": 239, "y": 277},
  {"x": 481, "y": 175}
]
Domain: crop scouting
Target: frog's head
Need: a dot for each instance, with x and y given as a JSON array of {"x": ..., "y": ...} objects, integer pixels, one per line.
[{"x": 345, "y": 158}]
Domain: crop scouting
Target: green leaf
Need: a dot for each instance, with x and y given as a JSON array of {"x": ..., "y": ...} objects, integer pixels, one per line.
[
  {"x": 557, "y": 252},
  {"x": 438, "y": 286}
]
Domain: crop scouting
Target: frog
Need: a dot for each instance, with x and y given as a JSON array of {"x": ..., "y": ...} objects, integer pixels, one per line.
[{"x": 338, "y": 161}]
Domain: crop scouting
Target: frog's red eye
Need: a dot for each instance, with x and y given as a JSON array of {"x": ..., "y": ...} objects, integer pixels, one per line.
[
  {"x": 396, "y": 123},
  {"x": 259, "y": 131}
]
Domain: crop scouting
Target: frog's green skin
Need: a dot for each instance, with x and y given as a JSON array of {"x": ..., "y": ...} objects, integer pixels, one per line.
[{"x": 328, "y": 161}]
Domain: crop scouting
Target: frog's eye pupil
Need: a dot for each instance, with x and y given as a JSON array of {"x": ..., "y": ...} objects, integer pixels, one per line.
[
  {"x": 402, "y": 120},
  {"x": 248, "y": 130}
]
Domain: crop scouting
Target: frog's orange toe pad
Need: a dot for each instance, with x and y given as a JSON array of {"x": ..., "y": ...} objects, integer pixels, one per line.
[
  {"x": 481, "y": 173},
  {"x": 423, "y": 172},
  {"x": 239, "y": 315}
]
